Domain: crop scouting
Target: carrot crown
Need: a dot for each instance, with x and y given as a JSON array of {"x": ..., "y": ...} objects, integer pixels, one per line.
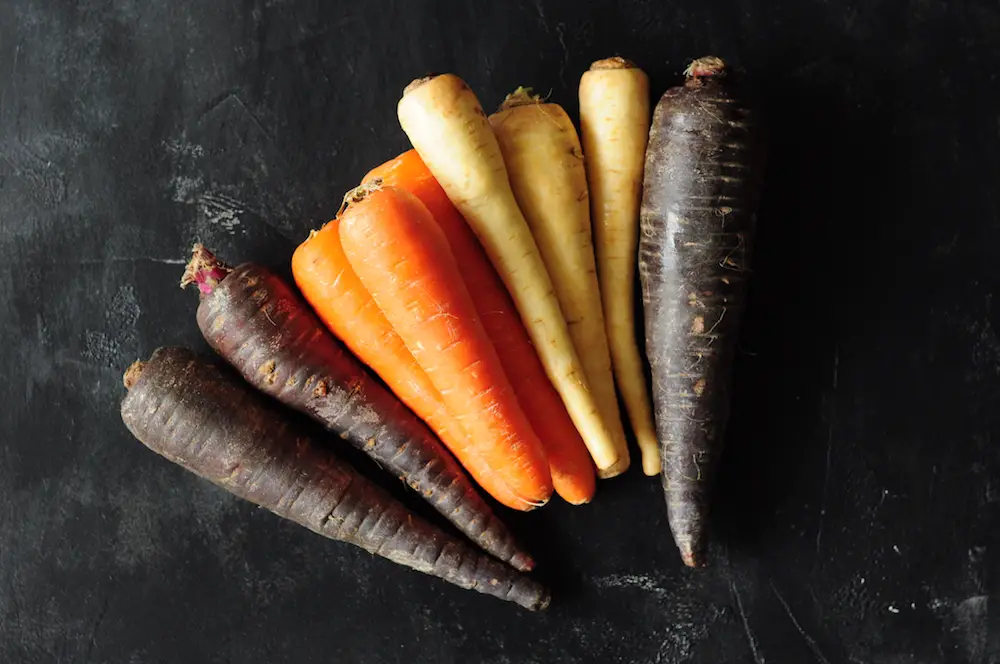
[
  {"x": 204, "y": 269},
  {"x": 705, "y": 67},
  {"x": 360, "y": 193},
  {"x": 520, "y": 97},
  {"x": 132, "y": 374},
  {"x": 616, "y": 62}
]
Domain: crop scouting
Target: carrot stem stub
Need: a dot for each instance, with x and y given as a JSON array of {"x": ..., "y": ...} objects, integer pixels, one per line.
[
  {"x": 700, "y": 192},
  {"x": 401, "y": 256},
  {"x": 257, "y": 323},
  {"x": 210, "y": 422}
]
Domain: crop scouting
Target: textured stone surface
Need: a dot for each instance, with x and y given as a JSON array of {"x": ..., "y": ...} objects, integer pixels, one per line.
[{"x": 857, "y": 521}]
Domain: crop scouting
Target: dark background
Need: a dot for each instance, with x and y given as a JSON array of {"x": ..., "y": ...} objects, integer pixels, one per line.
[{"x": 857, "y": 518}]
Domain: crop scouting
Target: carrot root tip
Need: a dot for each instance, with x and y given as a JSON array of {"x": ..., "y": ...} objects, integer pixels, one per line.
[
  {"x": 522, "y": 562},
  {"x": 133, "y": 373},
  {"x": 204, "y": 269},
  {"x": 692, "y": 553}
]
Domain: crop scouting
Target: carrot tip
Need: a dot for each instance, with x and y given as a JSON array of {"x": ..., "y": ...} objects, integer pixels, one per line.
[
  {"x": 204, "y": 269},
  {"x": 132, "y": 374},
  {"x": 706, "y": 66},
  {"x": 522, "y": 562},
  {"x": 692, "y": 553}
]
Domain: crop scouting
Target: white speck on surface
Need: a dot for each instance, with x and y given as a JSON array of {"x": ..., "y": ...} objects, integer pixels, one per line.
[
  {"x": 892, "y": 609},
  {"x": 896, "y": 549},
  {"x": 640, "y": 581},
  {"x": 181, "y": 148},
  {"x": 186, "y": 188}
]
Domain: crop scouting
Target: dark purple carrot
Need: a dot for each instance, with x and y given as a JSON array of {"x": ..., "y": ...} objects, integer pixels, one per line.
[
  {"x": 258, "y": 324},
  {"x": 700, "y": 191},
  {"x": 208, "y": 421}
]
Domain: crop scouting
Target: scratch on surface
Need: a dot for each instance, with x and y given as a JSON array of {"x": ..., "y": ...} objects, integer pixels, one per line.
[
  {"x": 97, "y": 626},
  {"x": 560, "y": 33},
  {"x": 119, "y": 259},
  {"x": 541, "y": 15},
  {"x": 236, "y": 99},
  {"x": 757, "y": 657},
  {"x": 809, "y": 640},
  {"x": 826, "y": 484},
  {"x": 836, "y": 364}
]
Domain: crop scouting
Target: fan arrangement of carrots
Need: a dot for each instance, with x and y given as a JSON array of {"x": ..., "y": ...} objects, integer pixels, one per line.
[{"x": 470, "y": 309}]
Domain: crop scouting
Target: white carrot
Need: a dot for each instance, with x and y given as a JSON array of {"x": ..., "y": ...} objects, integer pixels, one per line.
[
  {"x": 448, "y": 128},
  {"x": 544, "y": 161},
  {"x": 614, "y": 125}
]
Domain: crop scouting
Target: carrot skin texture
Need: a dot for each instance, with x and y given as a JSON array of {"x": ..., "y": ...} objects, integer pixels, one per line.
[
  {"x": 208, "y": 421},
  {"x": 258, "y": 324},
  {"x": 403, "y": 259},
  {"x": 569, "y": 462},
  {"x": 336, "y": 294},
  {"x": 700, "y": 193}
]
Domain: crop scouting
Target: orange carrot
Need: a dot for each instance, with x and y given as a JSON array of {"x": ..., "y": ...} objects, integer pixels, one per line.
[
  {"x": 403, "y": 259},
  {"x": 327, "y": 281},
  {"x": 569, "y": 461}
]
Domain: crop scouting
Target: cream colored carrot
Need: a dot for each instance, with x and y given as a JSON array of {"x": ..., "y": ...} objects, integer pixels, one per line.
[
  {"x": 448, "y": 128},
  {"x": 614, "y": 126},
  {"x": 544, "y": 161}
]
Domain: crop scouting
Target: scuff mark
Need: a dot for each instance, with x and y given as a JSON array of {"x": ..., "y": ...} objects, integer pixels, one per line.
[
  {"x": 110, "y": 346},
  {"x": 970, "y": 622},
  {"x": 758, "y": 658},
  {"x": 808, "y": 639},
  {"x": 640, "y": 581},
  {"x": 221, "y": 210}
]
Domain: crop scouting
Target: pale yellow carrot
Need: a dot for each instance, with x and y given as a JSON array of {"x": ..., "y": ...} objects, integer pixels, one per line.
[
  {"x": 614, "y": 125},
  {"x": 544, "y": 161}
]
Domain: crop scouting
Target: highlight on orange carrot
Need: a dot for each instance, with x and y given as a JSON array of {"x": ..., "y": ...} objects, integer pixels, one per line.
[
  {"x": 338, "y": 297},
  {"x": 401, "y": 256},
  {"x": 569, "y": 461}
]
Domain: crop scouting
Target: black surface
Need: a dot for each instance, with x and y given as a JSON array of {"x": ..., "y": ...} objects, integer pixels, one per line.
[{"x": 857, "y": 521}]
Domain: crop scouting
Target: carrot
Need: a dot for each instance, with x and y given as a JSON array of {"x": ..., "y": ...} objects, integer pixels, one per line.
[
  {"x": 403, "y": 260},
  {"x": 448, "y": 128},
  {"x": 614, "y": 126},
  {"x": 544, "y": 162},
  {"x": 258, "y": 324},
  {"x": 339, "y": 298},
  {"x": 569, "y": 462},
  {"x": 700, "y": 193},
  {"x": 208, "y": 421}
]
